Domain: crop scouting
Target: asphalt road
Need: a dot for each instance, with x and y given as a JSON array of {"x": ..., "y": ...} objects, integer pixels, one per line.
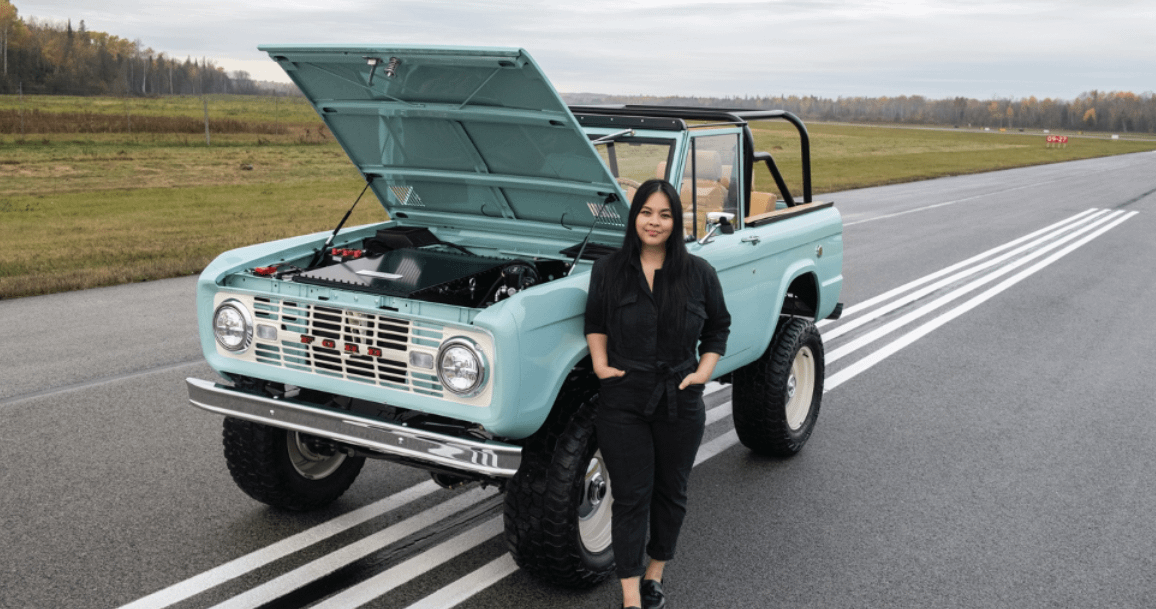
[{"x": 986, "y": 440}]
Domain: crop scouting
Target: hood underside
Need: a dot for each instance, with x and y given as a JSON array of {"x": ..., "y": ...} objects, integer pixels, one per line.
[{"x": 467, "y": 132}]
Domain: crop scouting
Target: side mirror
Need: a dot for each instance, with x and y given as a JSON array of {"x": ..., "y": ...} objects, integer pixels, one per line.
[
  {"x": 723, "y": 219},
  {"x": 719, "y": 221}
]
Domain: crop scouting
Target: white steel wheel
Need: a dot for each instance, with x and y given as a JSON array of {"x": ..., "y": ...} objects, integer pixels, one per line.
[
  {"x": 800, "y": 388},
  {"x": 594, "y": 512},
  {"x": 281, "y": 469},
  {"x": 309, "y": 463},
  {"x": 776, "y": 398},
  {"x": 557, "y": 512}
]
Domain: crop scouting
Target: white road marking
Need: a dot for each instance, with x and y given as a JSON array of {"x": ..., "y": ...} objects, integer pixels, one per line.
[
  {"x": 260, "y": 558},
  {"x": 464, "y": 588},
  {"x": 890, "y": 327},
  {"x": 716, "y": 446},
  {"x": 881, "y": 354},
  {"x": 888, "y": 295},
  {"x": 488, "y": 575},
  {"x": 128, "y": 376},
  {"x": 950, "y": 279},
  {"x": 945, "y": 203},
  {"x": 380, "y": 584},
  {"x": 717, "y": 413},
  {"x": 331, "y": 562},
  {"x": 255, "y": 560}
]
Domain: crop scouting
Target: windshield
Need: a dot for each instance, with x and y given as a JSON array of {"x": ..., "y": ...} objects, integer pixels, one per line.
[{"x": 634, "y": 160}]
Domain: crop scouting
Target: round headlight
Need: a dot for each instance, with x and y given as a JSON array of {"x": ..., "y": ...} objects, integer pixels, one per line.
[
  {"x": 461, "y": 367},
  {"x": 233, "y": 326}
]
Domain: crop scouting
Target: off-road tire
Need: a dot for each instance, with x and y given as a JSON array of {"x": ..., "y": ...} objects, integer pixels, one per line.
[
  {"x": 260, "y": 462},
  {"x": 767, "y": 419},
  {"x": 545, "y": 496}
]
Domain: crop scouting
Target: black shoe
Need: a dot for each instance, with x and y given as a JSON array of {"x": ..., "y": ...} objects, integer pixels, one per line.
[{"x": 652, "y": 596}]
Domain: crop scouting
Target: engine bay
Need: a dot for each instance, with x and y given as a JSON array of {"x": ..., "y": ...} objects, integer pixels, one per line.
[{"x": 412, "y": 263}]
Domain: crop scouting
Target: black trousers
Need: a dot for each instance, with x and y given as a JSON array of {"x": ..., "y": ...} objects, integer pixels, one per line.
[{"x": 649, "y": 459}]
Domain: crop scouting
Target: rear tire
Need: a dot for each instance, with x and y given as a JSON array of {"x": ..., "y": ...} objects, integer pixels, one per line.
[
  {"x": 558, "y": 505},
  {"x": 777, "y": 397},
  {"x": 286, "y": 469}
]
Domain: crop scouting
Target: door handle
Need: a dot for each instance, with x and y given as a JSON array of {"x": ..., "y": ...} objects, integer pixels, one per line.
[{"x": 752, "y": 239}]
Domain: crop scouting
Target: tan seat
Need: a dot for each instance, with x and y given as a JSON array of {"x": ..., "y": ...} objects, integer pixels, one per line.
[{"x": 762, "y": 202}]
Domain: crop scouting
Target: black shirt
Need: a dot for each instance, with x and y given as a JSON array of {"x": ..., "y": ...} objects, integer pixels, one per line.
[{"x": 636, "y": 339}]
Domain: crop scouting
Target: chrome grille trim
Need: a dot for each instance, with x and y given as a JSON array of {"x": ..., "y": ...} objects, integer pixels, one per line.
[{"x": 353, "y": 334}]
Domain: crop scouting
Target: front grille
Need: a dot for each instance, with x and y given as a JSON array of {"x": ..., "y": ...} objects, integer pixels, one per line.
[{"x": 341, "y": 344}]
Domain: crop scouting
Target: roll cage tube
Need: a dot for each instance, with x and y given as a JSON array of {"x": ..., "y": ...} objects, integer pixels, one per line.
[{"x": 736, "y": 117}]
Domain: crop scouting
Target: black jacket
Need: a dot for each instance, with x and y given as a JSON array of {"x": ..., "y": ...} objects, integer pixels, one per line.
[{"x": 636, "y": 340}]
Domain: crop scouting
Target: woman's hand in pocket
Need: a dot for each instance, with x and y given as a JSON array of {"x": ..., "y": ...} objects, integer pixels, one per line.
[
  {"x": 701, "y": 374},
  {"x": 606, "y": 372},
  {"x": 694, "y": 378}
]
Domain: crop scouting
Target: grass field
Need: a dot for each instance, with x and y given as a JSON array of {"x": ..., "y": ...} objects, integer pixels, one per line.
[
  {"x": 81, "y": 209},
  {"x": 66, "y": 112}
]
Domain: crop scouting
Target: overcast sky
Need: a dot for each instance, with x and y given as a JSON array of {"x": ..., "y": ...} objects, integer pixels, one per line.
[{"x": 981, "y": 49}]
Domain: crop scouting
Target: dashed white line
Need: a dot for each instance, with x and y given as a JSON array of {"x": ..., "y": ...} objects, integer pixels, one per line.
[{"x": 946, "y": 203}]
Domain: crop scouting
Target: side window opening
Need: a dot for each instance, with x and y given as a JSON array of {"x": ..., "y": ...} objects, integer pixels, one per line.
[
  {"x": 764, "y": 192},
  {"x": 710, "y": 180}
]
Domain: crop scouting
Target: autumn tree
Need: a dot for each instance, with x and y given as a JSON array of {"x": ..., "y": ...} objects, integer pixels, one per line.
[{"x": 12, "y": 31}]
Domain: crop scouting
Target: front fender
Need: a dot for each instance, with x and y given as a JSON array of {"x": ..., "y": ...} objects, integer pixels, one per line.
[{"x": 539, "y": 337}]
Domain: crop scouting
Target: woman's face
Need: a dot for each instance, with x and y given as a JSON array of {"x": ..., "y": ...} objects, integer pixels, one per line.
[{"x": 655, "y": 220}]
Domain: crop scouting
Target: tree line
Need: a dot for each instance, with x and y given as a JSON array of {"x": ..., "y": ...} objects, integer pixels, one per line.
[
  {"x": 1116, "y": 111},
  {"x": 53, "y": 58},
  {"x": 39, "y": 57}
]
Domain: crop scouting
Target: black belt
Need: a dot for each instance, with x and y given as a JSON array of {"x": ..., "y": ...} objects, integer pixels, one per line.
[{"x": 669, "y": 378}]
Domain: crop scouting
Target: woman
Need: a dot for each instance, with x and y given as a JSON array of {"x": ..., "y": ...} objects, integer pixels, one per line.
[{"x": 650, "y": 304}]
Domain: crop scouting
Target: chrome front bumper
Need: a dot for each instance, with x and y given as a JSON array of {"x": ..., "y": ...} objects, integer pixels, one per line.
[{"x": 490, "y": 459}]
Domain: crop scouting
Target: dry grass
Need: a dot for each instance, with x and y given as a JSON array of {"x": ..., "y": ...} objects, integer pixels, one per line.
[
  {"x": 81, "y": 209},
  {"x": 55, "y": 163},
  {"x": 80, "y": 240}
]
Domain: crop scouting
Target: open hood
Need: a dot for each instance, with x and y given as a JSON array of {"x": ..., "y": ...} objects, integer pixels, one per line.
[{"x": 452, "y": 134}]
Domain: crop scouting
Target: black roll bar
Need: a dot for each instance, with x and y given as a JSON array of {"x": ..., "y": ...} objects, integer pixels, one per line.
[{"x": 735, "y": 116}]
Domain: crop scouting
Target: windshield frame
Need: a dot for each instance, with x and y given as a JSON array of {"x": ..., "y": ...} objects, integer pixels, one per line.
[{"x": 611, "y": 159}]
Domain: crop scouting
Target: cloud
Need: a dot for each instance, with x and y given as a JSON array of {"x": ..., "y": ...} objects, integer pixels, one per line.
[{"x": 936, "y": 48}]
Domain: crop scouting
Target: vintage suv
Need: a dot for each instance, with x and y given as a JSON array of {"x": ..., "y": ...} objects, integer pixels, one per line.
[{"x": 450, "y": 337}]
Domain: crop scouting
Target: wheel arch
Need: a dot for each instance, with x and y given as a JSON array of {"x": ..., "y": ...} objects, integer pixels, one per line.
[
  {"x": 797, "y": 295},
  {"x": 803, "y": 294}
]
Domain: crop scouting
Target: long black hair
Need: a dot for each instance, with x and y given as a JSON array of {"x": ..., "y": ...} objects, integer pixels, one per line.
[{"x": 620, "y": 274}]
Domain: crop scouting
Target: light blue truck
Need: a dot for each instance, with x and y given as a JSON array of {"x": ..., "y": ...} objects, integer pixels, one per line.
[{"x": 450, "y": 337}]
